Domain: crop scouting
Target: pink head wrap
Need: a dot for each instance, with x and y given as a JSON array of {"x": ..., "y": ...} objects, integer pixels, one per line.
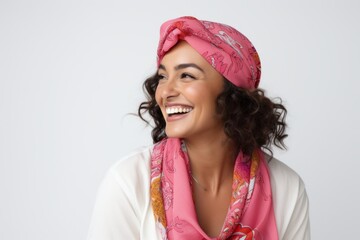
[{"x": 225, "y": 48}]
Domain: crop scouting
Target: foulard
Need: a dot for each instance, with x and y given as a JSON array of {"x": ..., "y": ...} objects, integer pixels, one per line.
[
  {"x": 226, "y": 49},
  {"x": 250, "y": 214}
]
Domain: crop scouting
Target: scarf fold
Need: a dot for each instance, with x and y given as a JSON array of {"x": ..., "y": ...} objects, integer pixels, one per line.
[{"x": 250, "y": 214}]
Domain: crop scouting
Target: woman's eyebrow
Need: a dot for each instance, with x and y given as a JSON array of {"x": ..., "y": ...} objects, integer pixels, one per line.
[
  {"x": 186, "y": 65},
  {"x": 183, "y": 66},
  {"x": 162, "y": 67}
]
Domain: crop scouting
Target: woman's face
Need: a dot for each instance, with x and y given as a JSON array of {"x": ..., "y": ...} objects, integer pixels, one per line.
[{"x": 187, "y": 93}]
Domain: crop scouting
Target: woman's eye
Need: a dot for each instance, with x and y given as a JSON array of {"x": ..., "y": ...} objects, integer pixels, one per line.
[
  {"x": 186, "y": 75},
  {"x": 160, "y": 76}
]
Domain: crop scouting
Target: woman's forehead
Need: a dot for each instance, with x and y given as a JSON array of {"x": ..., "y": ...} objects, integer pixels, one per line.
[{"x": 182, "y": 53}]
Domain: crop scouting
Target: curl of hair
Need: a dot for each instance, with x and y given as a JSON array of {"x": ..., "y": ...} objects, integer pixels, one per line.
[
  {"x": 251, "y": 120},
  {"x": 151, "y": 106}
]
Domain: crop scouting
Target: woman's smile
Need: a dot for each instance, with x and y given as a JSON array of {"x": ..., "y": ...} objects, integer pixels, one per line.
[{"x": 177, "y": 112}]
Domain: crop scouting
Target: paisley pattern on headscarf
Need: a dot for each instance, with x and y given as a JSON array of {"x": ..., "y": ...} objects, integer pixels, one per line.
[{"x": 223, "y": 47}]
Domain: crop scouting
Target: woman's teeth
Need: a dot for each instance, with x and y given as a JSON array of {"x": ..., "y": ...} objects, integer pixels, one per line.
[{"x": 174, "y": 110}]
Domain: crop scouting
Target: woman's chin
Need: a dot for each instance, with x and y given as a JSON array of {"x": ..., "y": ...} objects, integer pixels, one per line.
[{"x": 174, "y": 133}]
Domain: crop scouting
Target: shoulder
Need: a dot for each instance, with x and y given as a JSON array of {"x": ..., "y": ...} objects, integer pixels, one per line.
[
  {"x": 134, "y": 166},
  {"x": 123, "y": 198},
  {"x": 284, "y": 176},
  {"x": 128, "y": 179},
  {"x": 131, "y": 173},
  {"x": 290, "y": 200}
]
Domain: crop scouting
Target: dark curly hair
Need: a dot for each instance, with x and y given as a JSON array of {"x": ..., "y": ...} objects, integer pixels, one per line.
[{"x": 250, "y": 118}]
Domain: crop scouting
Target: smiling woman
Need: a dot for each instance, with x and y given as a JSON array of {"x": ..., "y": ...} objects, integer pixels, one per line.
[{"x": 207, "y": 175}]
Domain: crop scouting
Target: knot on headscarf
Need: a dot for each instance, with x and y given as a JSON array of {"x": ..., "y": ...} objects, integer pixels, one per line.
[{"x": 223, "y": 47}]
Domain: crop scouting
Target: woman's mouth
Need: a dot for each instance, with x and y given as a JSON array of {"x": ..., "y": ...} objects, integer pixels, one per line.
[{"x": 177, "y": 110}]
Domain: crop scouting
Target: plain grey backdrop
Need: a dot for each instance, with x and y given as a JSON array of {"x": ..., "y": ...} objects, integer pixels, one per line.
[{"x": 71, "y": 72}]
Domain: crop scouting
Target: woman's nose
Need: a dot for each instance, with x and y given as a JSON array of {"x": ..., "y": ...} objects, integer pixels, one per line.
[{"x": 168, "y": 88}]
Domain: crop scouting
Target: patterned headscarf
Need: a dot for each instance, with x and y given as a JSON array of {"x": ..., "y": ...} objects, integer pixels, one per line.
[{"x": 222, "y": 46}]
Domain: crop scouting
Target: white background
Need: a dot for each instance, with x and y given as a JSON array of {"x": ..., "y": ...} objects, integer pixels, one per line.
[{"x": 71, "y": 71}]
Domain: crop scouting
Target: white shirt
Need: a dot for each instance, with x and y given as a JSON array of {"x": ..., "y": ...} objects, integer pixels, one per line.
[{"x": 123, "y": 209}]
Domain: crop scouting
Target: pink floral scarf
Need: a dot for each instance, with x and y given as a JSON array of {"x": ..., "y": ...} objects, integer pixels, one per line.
[
  {"x": 250, "y": 214},
  {"x": 226, "y": 49}
]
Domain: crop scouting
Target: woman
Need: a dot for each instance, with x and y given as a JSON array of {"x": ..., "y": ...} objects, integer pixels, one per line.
[{"x": 206, "y": 176}]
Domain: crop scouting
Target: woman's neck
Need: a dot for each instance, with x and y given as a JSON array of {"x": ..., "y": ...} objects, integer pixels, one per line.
[{"x": 212, "y": 162}]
